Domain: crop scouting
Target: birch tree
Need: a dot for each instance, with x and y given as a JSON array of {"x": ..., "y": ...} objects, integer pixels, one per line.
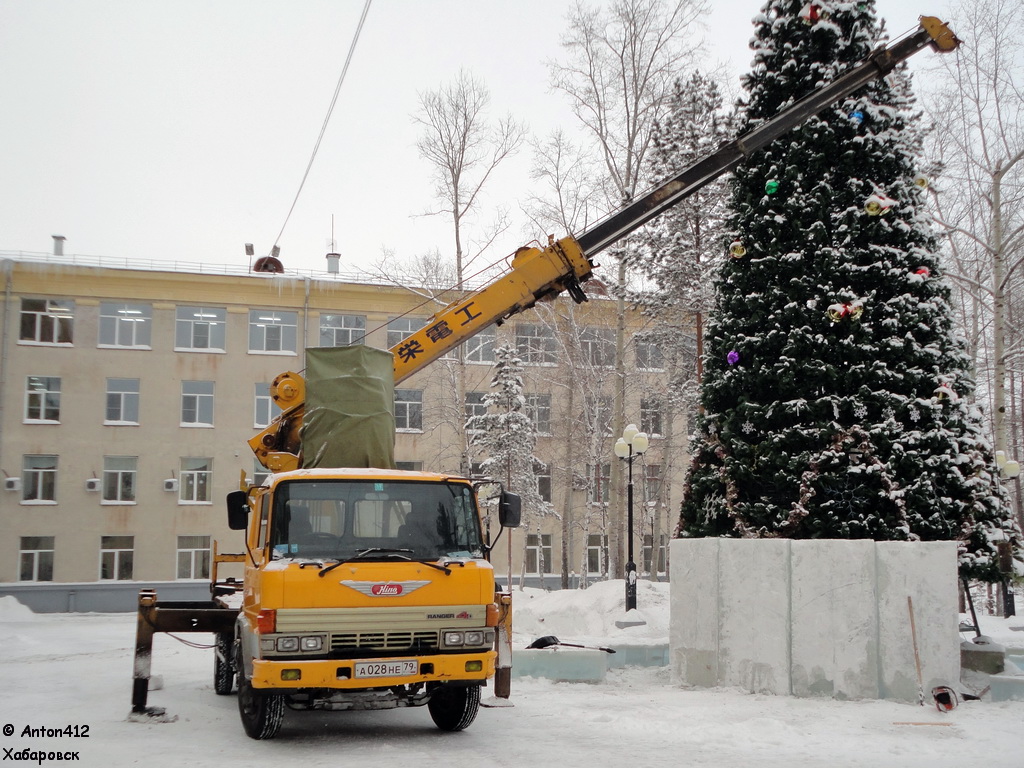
[
  {"x": 977, "y": 107},
  {"x": 617, "y": 72},
  {"x": 464, "y": 146}
]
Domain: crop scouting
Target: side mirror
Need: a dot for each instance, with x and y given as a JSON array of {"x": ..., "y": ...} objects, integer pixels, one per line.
[
  {"x": 238, "y": 510},
  {"x": 510, "y": 508}
]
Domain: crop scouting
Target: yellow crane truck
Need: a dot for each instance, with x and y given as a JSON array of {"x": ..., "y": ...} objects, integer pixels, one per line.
[{"x": 366, "y": 587}]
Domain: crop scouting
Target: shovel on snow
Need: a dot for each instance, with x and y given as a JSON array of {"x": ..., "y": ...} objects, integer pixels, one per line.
[{"x": 548, "y": 640}]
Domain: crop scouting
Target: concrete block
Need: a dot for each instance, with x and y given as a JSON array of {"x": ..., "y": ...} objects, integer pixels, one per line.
[
  {"x": 835, "y": 645},
  {"x": 693, "y": 617},
  {"x": 927, "y": 571},
  {"x": 984, "y": 656},
  {"x": 753, "y": 616},
  {"x": 561, "y": 664},
  {"x": 813, "y": 618}
]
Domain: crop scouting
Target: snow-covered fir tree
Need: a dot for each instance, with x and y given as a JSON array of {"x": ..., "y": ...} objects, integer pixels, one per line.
[
  {"x": 837, "y": 400},
  {"x": 505, "y": 437}
]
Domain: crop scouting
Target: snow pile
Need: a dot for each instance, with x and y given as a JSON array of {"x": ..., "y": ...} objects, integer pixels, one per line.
[
  {"x": 13, "y": 611},
  {"x": 592, "y": 616}
]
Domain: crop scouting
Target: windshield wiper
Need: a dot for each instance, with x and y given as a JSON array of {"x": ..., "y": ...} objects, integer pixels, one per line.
[{"x": 386, "y": 552}]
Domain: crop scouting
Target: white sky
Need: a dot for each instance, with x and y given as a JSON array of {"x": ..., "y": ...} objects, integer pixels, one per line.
[{"x": 180, "y": 131}]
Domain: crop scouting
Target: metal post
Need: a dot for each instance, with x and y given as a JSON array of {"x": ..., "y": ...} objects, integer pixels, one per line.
[
  {"x": 144, "y": 630},
  {"x": 630, "y": 564}
]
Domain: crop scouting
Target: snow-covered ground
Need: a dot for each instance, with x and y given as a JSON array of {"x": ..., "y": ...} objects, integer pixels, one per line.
[{"x": 61, "y": 670}]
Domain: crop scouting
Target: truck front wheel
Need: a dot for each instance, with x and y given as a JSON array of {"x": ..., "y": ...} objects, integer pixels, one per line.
[
  {"x": 454, "y": 708},
  {"x": 223, "y": 669},
  {"x": 261, "y": 713}
]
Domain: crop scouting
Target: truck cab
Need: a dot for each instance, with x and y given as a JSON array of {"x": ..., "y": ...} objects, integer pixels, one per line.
[{"x": 364, "y": 589}]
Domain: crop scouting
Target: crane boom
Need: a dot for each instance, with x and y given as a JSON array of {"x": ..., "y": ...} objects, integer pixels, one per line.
[
  {"x": 537, "y": 274},
  {"x": 931, "y": 32}
]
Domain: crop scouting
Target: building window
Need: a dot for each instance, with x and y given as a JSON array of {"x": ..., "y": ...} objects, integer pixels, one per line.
[
  {"x": 652, "y": 483},
  {"x": 598, "y": 346},
  {"x": 409, "y": 410},
  {"x": 480, "y": 348},
  {"x": 409, "y": 466},
  {"x": 597, "y": 413},
  {"x": 535, "y": 344},
  {"x": 47, "y": 321},
  {"x": 119, "y": 473},
  {"x": 117, "y": 554},
  {"x": 39, "y": 480},
  {"x": 599, "y": 480},
  {"x": 273, "y": 331},
  {"x": 42, "y": 399},
  {"x": 122, "y": 401},
  {"x": 193, "y": 557},
  {"x": 401, "y": 328},
  {"x": 538, "y": 553},
  {"x": 36, "y": 558},
  {"x": 265, "y": 409},
  {"x": 597, "y": 554},
  {"x": 200, "y": 329},
  {"x": 259, "y": 472},
  {"x": 125, "y": 325},
  {"x": 662, "y": 553},
  {"x": 475, "y": 408},
  {"x": 648, "y": 356},
  {"x": 542, "y": 472},
  {"x": 538, "y": 408},
  {"x": 650, "y": 416},
  {"x": 197, "y": 403},
  {"x": 195, "y": 482},
  {"x": 342, "y": 330}
]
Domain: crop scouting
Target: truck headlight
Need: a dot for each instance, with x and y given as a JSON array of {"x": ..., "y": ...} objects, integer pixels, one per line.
[
  {"x": 287, "y": 644},
  {"x": 475, "y": 638},
  {"x": 454, "y": 638},
  {"x": 312, "y": 643}
]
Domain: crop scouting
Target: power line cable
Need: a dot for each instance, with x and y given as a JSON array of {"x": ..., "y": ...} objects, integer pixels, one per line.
[{"x": 327, "y": 118}]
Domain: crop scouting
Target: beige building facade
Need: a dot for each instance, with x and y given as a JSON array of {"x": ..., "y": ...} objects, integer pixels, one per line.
[{"x": 127, "y": 397}]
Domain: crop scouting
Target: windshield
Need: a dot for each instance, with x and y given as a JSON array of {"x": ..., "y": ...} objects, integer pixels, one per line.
[{"x": 343, "y": 518}]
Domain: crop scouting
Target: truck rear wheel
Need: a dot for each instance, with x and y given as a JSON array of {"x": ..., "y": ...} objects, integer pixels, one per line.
[
  {"x": 223, "y": 669},
  {"x": 261, "y": 713},
  {"x": 454, "y": 708}
]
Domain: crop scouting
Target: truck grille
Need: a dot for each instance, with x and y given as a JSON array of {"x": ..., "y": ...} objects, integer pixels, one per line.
[{"x": 346, "y": 642}]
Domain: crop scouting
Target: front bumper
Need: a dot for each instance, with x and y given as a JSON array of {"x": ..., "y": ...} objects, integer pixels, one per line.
[{"x": 340, "y": 674}]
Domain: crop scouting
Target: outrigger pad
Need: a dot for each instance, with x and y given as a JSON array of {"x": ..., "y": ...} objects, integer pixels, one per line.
[{"x": 151, "y": 715}]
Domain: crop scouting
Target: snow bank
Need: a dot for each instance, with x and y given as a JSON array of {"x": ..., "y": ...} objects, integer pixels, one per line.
[
  {"x": 11, "y": 610},
  {"x": 592, "y": 616}
]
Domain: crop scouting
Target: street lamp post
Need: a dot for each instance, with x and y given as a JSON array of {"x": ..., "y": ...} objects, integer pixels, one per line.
[{"x": 632, "y": 443}]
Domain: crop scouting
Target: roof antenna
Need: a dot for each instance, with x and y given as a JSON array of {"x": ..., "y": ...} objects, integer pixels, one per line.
[{"x": 333, "y": 258}]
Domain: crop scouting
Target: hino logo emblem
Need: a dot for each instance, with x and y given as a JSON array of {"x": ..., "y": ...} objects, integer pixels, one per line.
[{"x": 384, "y": 588}]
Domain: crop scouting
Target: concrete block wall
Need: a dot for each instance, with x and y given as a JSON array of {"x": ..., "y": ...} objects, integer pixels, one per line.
[{"x": 814, "y": 618}]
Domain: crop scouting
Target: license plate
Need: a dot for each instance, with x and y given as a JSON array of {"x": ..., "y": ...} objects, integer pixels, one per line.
[{"x": 390, "y": 668}]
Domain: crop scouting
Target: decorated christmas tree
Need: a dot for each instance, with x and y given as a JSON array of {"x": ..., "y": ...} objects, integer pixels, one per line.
[{"x": 836, "y": 399}]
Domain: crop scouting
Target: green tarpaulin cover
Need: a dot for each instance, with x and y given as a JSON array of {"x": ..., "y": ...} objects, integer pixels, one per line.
[{"x": 350, "y": 408}]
